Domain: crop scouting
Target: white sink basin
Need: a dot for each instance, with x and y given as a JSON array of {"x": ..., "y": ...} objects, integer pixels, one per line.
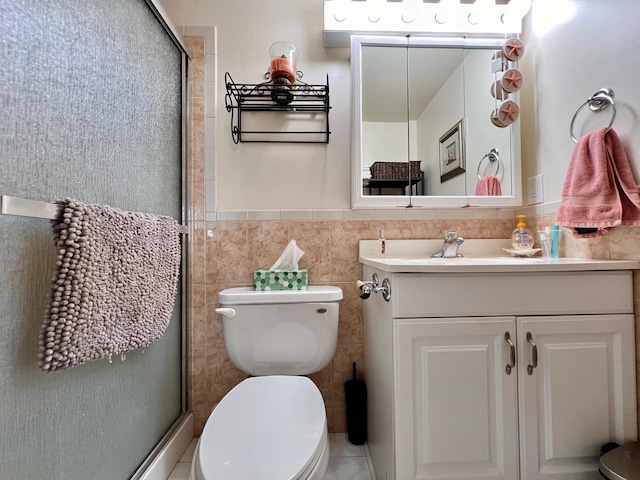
[
  {"x": 463, "y": 260},
  {"x": 480, "y": 256}
]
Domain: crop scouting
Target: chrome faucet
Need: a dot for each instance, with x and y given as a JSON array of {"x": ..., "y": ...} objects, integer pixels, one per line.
[{"x": 450, "y": 246}]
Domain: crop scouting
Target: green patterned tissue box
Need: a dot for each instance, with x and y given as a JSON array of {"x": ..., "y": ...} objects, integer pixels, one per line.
[{"x": 281, "y": 279}]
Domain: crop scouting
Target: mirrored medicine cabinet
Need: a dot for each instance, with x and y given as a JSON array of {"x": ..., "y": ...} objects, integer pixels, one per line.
[{"x": 422, "y": 133}]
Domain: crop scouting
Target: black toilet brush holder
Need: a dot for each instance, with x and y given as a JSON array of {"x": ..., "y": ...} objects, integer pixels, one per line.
[{"x": 356, "y": 396}]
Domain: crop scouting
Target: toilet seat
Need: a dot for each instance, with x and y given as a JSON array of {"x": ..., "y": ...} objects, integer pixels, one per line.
[{"x": 272, "y": 428}]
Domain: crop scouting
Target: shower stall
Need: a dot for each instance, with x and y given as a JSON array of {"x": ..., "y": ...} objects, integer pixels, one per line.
[{"x": 94, "y": 108}]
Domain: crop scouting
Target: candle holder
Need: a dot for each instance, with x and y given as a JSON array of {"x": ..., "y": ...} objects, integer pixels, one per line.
[{"x": 283, "y": 71}]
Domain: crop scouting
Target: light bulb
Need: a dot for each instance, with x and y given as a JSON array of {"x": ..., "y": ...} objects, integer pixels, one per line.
[
  {"x": 376, "y": 9},
  {"x": 482, "y": 11},
  {"x": 446, "y": 11}
]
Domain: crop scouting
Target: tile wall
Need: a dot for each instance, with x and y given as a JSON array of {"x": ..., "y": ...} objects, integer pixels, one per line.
[{"x": 229, "y": 251}]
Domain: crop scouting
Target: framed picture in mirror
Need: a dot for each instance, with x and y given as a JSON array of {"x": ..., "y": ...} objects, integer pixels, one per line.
[{"x": 452, "y": 153}]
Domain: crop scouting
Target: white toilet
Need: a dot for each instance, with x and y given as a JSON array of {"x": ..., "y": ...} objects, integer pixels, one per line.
[{"x": 273, "y": 425}]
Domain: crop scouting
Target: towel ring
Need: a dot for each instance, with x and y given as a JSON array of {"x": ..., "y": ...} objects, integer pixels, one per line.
[
  {"x": 493, "y": 157},
  {"x": 597, "y": 102}
]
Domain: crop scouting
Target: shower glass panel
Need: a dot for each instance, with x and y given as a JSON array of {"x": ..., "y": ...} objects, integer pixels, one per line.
[{"x": 91, "y": 96}]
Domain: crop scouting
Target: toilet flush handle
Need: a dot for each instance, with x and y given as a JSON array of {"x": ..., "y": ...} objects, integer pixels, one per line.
[{"x": 227, "y": 312}]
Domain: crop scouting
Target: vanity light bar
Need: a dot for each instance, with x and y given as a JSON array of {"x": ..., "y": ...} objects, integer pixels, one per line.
[{"x": 343, "y": 18}]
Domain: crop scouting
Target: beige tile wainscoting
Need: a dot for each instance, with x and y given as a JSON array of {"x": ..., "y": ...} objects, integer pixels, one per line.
[{"x": 226, "y": 253}]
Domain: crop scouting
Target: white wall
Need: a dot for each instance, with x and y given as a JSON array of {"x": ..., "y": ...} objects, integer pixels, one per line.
[
  {"x": 574, "y": 48},
  {"x": 384, "y": 142},
  {"x": 446, "y": 109},
  {"x": 592, "y": 45},
  {"x": 443, "y": 112},
  {"x": 260, "y": 176}
]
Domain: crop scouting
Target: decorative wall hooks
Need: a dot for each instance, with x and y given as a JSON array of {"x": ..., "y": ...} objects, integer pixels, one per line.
[
  {"x": 511, "y": 80},
  {"x": 513, "y": 49},
  {"x": 508, "y": 81},
  {"x": 505, "y": 114}
]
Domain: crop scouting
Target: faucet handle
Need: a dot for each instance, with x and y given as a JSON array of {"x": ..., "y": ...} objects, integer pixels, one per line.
[
  {"x": 364, "y": 288},
  {"x": 450, "y": 236}
]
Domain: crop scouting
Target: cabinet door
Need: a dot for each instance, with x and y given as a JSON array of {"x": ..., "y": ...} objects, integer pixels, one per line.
[
  {"x": 455, "y": 405},
  {"x": 580, "y": 396}
]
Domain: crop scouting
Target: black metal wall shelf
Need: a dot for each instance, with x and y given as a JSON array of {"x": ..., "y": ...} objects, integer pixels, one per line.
[{"x": 300, "y": 98}]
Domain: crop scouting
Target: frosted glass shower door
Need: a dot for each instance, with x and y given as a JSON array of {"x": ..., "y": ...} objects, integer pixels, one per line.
[{"x": 92, "y": 109}]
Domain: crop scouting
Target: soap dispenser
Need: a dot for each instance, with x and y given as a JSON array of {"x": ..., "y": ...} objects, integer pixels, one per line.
[{"x": 521, "y": 238}]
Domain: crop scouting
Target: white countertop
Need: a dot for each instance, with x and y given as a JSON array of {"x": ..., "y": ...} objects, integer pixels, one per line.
[{"x": 414, "y": 256}]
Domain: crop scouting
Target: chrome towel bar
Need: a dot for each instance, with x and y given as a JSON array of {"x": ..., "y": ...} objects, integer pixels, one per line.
[{"x": 33, "y": 208}]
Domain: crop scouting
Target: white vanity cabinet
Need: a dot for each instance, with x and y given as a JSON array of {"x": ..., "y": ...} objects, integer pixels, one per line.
[{"x": 443, "y": 403}]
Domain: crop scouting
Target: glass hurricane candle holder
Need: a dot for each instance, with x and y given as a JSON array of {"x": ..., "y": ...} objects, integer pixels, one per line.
[
  {"x": 283, "y": 71},
  {"x": 284, "y": 59}
]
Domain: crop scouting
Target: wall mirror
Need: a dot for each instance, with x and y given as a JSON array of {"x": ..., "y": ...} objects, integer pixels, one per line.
[{"x": 422, "y": 133}]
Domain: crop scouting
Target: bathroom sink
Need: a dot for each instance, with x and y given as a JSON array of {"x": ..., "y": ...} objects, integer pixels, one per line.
[
  {"x": 417, "y": 263},
  {"x": 481, "y": 256},
  {"x": 499, "y": 260}
]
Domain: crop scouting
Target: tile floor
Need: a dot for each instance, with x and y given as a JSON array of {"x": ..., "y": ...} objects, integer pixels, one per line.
[{"x": 346, "y": 461}]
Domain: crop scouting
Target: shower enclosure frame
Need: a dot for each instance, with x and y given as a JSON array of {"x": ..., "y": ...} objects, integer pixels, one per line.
[{"x": 185, "y": 292}]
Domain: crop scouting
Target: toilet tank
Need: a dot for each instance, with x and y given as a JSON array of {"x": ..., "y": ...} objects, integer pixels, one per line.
[{"x": 284, "y": 332}]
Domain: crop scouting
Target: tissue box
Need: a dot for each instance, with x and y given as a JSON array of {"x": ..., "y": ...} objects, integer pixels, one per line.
[{"x": 281, "y": 279}]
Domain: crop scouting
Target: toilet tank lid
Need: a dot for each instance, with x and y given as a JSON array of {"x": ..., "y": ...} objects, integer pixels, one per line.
[{"x": 247, "y": 295}]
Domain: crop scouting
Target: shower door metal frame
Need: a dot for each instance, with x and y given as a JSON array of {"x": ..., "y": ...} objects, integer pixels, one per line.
[{"x": 185, "y": 292}]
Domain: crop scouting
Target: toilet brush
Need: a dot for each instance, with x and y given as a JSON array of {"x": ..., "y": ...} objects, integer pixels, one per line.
[{"x": 356, "y": 396}]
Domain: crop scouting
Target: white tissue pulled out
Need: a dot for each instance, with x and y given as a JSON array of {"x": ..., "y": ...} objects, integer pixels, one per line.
[{"x": 289, "y": 258}]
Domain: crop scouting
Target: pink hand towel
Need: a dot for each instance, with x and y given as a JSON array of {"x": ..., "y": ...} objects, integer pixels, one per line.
[
  {"x": 599, "y": 190},
  {"x": 488, "y": 185}
]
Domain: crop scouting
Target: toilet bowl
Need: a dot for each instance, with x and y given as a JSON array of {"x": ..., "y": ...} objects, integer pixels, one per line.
[{"x": 272, "y": 426}]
